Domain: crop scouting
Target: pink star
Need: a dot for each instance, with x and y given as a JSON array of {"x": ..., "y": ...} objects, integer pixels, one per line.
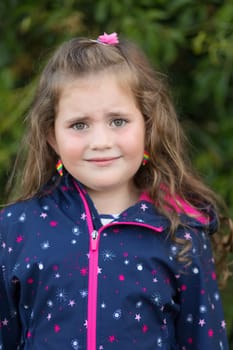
[
  {"x": 213, "y": 275},
  {"x": 210, "y": 332},
  {"x": 138, "y": 317},
  {"x": 5, "y": 322},
  {"x": 53, "y": 223},
  {"x": 121, "y": 277},
  {"x": 201, "y": 322},
  {"x": 187, "y": 236},
  {"x": 71, "y": 303},
  {"x": 144, "y": 328},
  {"x": 43, "y": 215},
  {"x": 49, "y": 317},
  {"x": 57, "y": 328},
  {"x": 183, "y": 287},
  {"x": 19, "y": 239},
  {"x": 83, "y": 216},
  {"x": 144, "y": 207},
  {"x": 111, "y": 338},
  {"x": 84, "y": 271}
]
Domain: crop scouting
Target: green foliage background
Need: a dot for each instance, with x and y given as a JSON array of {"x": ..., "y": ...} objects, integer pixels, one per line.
[{"x": 190, "y": 41}]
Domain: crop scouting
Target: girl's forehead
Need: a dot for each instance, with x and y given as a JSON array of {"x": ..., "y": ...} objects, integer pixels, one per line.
[
  {"x": 96, "y": 94},
  {"x": 92, "y": 79}
]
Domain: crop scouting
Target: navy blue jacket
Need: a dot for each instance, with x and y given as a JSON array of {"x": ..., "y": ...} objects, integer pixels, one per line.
[{"x": 69, "y": 282}]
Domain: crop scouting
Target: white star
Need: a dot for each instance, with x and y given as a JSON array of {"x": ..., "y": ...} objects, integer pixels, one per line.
[
  {"x": 195, "y": 270},
  {"x": 83, "y": 293},
  {"x": 99, "y": 270},
  {"x": 202, "y": 309},
  {"x": 40, "y": 266},
  {"x": 22, "y": 217},
  {"x": 223, "y": 324},
  {"x": 43, "y": 215},
  {"x": 49, "y": 317},
  {"x": 103, "y": 305},
  {"x": 139, "y": 267},
  {"x": 45, "y": 245}
]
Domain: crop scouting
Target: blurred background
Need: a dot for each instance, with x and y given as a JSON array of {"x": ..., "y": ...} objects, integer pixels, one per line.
[{"x": 190, "y": 41}]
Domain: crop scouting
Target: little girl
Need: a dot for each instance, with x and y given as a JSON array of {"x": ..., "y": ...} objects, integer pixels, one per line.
[{"x": 114, "y": 251}]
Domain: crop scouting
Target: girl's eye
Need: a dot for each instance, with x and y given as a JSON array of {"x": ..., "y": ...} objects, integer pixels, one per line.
[
  {"x": 79, "y": 126},
  {"x": 118, "y": 122}
]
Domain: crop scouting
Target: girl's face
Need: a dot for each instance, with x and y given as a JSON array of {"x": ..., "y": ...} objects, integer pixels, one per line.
[{"x": 99, "y": 133}]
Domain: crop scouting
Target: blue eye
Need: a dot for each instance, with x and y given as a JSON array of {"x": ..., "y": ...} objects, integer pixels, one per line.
[
  {"x": 79, "y": 126},
  {"x": 118, "y": 122}
]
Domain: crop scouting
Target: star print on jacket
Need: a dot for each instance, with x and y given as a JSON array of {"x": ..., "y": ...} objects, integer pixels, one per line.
[{"x": 69, "y": 282}]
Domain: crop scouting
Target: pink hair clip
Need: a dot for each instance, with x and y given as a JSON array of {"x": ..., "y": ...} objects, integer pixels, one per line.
[{"x": 110, "y": 39}]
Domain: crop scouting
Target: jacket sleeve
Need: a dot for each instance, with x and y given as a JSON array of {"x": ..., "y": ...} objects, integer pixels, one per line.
[
  {"x": 10, "y": 329},
  {"x": 200, "y": 323}
]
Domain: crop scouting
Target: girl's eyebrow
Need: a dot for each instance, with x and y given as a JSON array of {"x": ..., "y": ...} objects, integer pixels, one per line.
[
  {"x": 118, "y": 112},
  {"x": 76, "y": 118}
]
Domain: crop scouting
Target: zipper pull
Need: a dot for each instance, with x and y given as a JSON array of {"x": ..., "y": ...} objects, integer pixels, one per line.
[{"x": 94, "y": 240}]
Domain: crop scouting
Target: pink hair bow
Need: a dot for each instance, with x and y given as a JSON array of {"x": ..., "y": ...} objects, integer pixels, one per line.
[{"x": 110, "y": 39}]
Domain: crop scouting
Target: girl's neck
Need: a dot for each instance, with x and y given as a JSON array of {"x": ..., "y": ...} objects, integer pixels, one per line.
[{"x": 114, "y": 201}]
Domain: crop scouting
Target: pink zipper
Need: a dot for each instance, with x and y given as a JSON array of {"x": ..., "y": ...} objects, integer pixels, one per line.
[
  {"x": 92, "y": 278},
  {"x": 92, "y": 290},
  {"x": 93, "y": 268}
]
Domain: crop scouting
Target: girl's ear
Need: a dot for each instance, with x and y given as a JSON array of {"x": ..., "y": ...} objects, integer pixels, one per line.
[{"x": 51, "y": 139}]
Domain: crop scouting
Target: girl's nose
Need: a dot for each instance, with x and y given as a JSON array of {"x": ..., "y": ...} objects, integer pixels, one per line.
[{"x": 101, "y": 137}]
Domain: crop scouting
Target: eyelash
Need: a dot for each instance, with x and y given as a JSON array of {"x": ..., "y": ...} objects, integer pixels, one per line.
[
  {"x": 113, "y": 123},
  {"x": 75, "y": 126},
  {"x": 116, "y": 120}
]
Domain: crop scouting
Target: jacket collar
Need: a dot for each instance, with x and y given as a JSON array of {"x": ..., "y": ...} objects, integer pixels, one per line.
[{"x": 68, "y": 198}]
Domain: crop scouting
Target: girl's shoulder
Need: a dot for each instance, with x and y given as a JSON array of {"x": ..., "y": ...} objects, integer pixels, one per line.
[{"x": 17, "y": 211}]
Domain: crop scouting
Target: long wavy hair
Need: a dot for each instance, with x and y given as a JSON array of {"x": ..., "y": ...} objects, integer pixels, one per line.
[{"x": 169, "y": 170}]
